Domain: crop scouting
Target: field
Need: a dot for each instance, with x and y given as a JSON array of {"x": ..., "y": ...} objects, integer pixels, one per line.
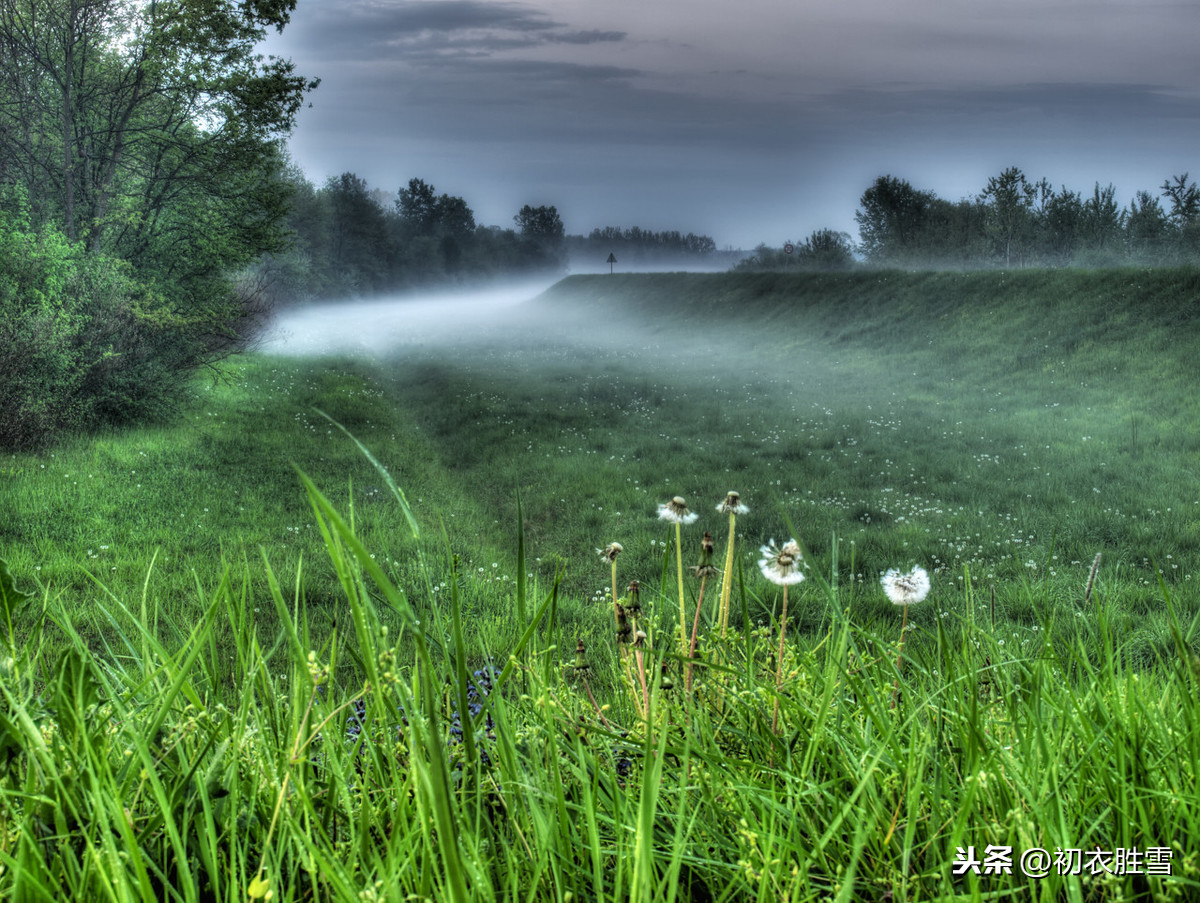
[{"x": 253, "y": 635}]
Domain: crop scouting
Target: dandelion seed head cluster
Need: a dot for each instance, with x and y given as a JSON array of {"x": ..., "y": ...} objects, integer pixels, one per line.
[
  {"x": 782, "y": 565},
  {"x": 732, "y": 504},
  {"x": 905, "y": 589},
  {"x": 676, "y": 512}
]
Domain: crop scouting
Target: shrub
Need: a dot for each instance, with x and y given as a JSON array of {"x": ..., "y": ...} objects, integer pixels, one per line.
[{"x": 82, "y": 343}]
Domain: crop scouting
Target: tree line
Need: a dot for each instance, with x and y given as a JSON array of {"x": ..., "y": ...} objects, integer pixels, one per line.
[
  {"x": 347, "y": 239},
  {"x": 1012, "y": 222},
  {"x": 636, "y": 245}
]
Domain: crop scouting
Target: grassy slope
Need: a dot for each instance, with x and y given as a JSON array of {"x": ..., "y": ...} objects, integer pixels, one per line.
[
  {"x": 1012, "y": 424},
  {"x": 912, "y": 417}
]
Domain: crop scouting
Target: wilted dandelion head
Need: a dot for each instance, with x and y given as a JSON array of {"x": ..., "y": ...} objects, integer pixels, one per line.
[
  {"x": 611, "y": 551},
  {"x": 624, "y": 630},
  {"x": 905, "y": 589},
  {"x": 634, "y": 603},
  {"x": 581, "y": 665},
  {"x": 782, "y": 565},
  {"x": 676, "y": 511},
  {"x": 705, "y": 567},
  {"x": 732, "y": 504}
]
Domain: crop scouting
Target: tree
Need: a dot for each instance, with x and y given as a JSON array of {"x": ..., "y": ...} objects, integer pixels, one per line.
[
  {"x": 826, "y": 249},
  {"x": 150, "y": 132},
  {"x": 1185, "y": 200},
  {"x": 542, "y": 232},
  {"x": 1061, "y": 224},
  {"x": 891, "y": 220},
  {"x": 1146, "y": 229},
  {"x": 1103, "y": 224},
  {"x": 358, "y": 236},
  {"x": 1010, "y": 199},
  {"x": 417, "y": 205}
]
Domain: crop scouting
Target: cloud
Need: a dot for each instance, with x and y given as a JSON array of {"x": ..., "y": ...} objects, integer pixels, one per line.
[
  {"x": 593, "y": 36},
  {"x": 417, "y": 31}
]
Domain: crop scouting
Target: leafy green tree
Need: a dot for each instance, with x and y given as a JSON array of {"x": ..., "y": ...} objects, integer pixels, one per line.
[
  {"x": 1184, "y": 215},
  {"x": 891, "y": 221},
  {"x": 542, "y": 232},
  {"x": 1061, "y": 226},
  {"x": 826, "y": 249},
  {"x": 1185, "y": 200},
  {"x": 1147, "y": 230},
  {"x": 359, "y": 250},
  {"x": 1009, "y": 198},
  {"x": 1103, "y": 225},
  {"x": 150, "y": 132},
  {"x": 418, "y": 207}
]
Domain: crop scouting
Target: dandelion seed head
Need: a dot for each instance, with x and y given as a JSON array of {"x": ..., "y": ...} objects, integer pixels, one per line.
[
  {"x": 732, "y": 504},
  {"x": 676, "y": 512},
  {"x": 782, "y": 565},
  {"x": 905, "y": 589},
  {"x": 611, "y": 551}
]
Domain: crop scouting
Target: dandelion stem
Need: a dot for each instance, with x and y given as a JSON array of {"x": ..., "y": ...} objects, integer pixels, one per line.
[
  {"x": 641, "y": 662},
  {"x": 779, "y": 661},
  {"x": 599, "y": 711},
  {"x": 683, "y": 637},
  {"x": 899, "y": 656},
  {"x": 616, "y": 602},
  {"x": 695, "y": 630},
  {"x": 1091, "y": 580},
  {"x": 727, "y": 579}
]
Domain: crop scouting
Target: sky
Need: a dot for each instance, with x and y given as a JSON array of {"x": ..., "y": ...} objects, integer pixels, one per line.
[{"x": 749, "y": 121}]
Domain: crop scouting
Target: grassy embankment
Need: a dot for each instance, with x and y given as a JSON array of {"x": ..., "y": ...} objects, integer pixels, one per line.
[{"x": 998, "y": 429}]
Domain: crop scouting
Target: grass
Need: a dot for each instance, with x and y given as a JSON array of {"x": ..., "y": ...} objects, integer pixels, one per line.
[{"x": 284, "y": 691}]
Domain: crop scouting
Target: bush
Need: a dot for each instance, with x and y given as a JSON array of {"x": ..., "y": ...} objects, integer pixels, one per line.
[{"x": 82, "y": 343}]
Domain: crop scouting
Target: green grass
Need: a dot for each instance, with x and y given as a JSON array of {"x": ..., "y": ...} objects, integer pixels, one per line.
[{"x": 163, "y": 727}]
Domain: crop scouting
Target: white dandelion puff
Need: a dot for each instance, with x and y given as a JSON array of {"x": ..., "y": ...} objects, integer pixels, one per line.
[
  {"x": 905, "y": 589},
  {"x": 732, "y": 504},
  {"x": 782, "y": 565},
  {"x": 676, "y": 512}
]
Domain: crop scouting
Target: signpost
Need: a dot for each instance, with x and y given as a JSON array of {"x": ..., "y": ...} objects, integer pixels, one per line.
[{"x": 612, "y": 258}]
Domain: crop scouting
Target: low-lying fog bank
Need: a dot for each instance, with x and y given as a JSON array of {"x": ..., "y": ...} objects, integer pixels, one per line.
[{"x": 381, "y": 326}]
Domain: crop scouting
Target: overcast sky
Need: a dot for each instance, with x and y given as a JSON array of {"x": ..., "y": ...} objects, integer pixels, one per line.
[{"x": 747, "y": 120}]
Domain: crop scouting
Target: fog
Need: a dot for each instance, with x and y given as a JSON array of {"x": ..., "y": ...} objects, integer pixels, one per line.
[
  {"x": 506, "y": 323},
  {"x": 380, "y": 327}
]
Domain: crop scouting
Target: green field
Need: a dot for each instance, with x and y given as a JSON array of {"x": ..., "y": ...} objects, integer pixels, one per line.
[{"x": 166, "y": 727}]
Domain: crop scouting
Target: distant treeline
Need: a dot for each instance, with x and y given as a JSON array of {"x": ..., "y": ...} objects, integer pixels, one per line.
[
  {"x": 1013, "y": 222},
  {"x": 349, "y": 239},
  {"x": 636, "y": 245}
]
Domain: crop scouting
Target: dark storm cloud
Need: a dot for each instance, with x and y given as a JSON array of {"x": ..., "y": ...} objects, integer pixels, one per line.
[{"x": 361, "y": 32}]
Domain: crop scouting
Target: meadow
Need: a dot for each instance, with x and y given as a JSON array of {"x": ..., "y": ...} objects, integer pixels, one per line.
[{"x": 319, "y": 637}]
